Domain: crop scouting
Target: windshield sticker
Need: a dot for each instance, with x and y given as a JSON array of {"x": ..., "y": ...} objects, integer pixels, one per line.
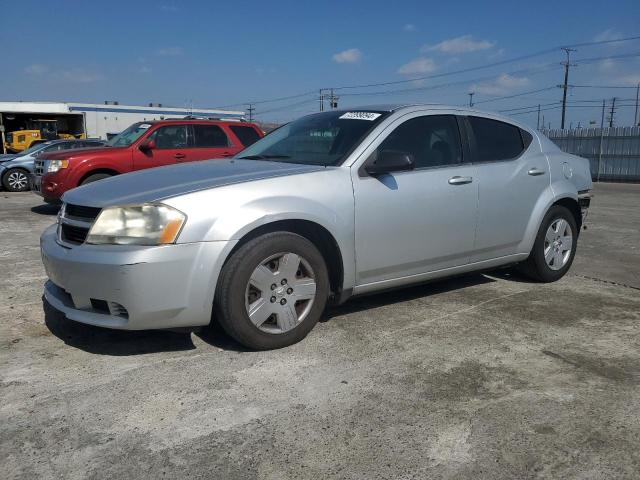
[
  {"x": 370, "y": 116},
  {"x": 144, "y": 125}
]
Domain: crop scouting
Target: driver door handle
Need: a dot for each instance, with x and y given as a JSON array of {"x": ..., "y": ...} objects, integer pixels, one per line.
[
  {"x": 535, "y": 171},
  {"x": 179, "y": 155},
  {"x": 458, "y": 180}
]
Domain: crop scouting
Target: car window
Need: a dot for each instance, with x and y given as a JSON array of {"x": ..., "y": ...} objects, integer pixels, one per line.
[
  {"x": 247, "y": 135},
  {"x": 432, "y": 140},
  {"x": 495, "y": 140},
  {"x": 209, "y": 136},
  {"x": 171, "y": 136},
  {"x": 53, "y": 148}
]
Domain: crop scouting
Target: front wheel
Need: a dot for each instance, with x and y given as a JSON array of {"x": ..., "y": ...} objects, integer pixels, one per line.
[
  {"x": 95, "y": 177},
  {"x": 15, "y": 180},
  {"x": 554, "y": 248},
  {"x": 272, "y": 291}
]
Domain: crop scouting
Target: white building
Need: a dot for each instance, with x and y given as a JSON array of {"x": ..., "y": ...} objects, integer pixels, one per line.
[{"x": 95, "y": 120}]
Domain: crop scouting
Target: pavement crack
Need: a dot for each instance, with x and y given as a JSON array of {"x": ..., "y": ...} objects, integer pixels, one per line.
[{"x": 602, "y": 280}]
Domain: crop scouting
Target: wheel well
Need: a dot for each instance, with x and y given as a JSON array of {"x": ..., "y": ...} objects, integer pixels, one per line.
[
  {"x": 99, "y": 170},
  {"x": 574, "y": 208},
  {"x": 316, "y": 234}
]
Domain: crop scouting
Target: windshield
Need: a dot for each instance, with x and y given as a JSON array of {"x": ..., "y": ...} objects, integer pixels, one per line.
[
  {"x": 130, "y": 135},
  {"x": 34, "y": 148},
  {"x": 319, "y": 139}
]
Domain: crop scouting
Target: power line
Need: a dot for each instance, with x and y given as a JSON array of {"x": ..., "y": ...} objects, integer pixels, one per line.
[
  {"x": 530, "y": 92},
  {"x": 455, "y": 72}
]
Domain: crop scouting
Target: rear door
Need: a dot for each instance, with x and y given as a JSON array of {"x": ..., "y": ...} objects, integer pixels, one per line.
[
  {"x": 245, "y": 134},
  {"x": 171, "y": 147},
  {"x": 210, "y": 141},
  {"x": 512, "y": 175}
]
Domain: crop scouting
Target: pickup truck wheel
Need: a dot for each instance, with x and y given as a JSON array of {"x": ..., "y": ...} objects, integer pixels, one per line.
[
  {"x": 95, "y": 177},
  {"x": 272, "y": 291},
  {"x": 554, "y": 248},
  {"x": 15, "y": 180}
]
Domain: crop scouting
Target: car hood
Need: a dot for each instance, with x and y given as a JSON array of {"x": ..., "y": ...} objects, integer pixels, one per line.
[
  {"x": 76, "y": 152},
  {"x": 8, "y": 156},
  {"x": 164, "y": 182}
]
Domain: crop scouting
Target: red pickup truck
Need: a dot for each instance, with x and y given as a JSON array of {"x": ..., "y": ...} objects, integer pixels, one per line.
[{"x": 142, "y": 145}]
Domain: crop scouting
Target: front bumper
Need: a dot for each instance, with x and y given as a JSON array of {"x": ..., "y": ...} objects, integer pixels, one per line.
[
  {"x": 47, "y": 187},
  {"x": 133, "y": 287}
]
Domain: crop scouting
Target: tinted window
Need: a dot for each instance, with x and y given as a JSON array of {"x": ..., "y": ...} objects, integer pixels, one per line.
[
  {"x": 246, "y": 135},
  {"x": 432, "y": 140},
  {"x": 209, "y": 136},
  {"x": 172, "y": 136},
  {"x": 495, "y": 140}
]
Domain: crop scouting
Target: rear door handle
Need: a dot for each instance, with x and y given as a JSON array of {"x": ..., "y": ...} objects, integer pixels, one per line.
[
  {"x": 535, "y": 171},
  {"x": 179, "y": 155},
  {"x": 457, "y": 180}
]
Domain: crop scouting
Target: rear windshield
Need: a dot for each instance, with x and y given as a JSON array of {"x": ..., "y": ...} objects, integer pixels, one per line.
[{"x": 318, "y": 139}]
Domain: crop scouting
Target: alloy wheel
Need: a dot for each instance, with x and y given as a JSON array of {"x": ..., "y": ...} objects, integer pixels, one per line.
[{"x": 17, "y": 180}]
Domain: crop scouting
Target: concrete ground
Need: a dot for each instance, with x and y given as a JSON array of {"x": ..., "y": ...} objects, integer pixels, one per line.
[{"x": 485, "y": 376}]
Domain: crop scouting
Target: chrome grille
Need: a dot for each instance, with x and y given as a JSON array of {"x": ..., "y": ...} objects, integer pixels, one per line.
[
  {"x": 74, "y": 223},
  {"x": 38, "y": 168}
]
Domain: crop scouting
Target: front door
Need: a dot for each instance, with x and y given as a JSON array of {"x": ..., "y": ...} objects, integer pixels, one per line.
[
  {"x": 171, "y": 147},
  {"x": 418, "y": 221}
]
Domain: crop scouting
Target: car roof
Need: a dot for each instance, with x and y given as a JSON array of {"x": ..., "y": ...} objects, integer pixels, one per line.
[{"x": 170, "y": 121}]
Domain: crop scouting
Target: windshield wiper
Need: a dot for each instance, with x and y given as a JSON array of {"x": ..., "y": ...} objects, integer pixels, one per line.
[{"x": 263, "y": 157}]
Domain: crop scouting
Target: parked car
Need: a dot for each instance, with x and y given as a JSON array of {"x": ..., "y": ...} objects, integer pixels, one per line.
[
  {"x": 143, "y": 145},
  {"x": 16, "y": 168},
  {"x": 332, "y": 205}
]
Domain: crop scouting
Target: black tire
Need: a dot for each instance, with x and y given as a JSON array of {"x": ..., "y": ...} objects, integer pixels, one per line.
[
  {"x": 16, "y": 180},
  {"x": 535, "y": 267},
  {"x": 95, "y": 177},
  {"x": 229, "y": 305}
]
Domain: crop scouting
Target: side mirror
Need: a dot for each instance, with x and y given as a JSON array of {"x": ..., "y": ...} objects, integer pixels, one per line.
[
  {"x": 147, "y": 145},
  {"x": 388, "y": 161}
]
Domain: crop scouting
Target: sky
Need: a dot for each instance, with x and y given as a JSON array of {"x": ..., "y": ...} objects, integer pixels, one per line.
[{"x": 226, "y": 54}]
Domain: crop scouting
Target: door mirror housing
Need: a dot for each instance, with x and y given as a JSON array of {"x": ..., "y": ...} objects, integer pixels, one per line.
[
  {"x": 388, "y": 161},
  {"x": 147, "y": 145}
]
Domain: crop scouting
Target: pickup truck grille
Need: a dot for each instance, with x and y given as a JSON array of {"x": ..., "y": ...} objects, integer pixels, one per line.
[
  {"x": 38, "y": 167},
  {"x": 74, "y": 223}
]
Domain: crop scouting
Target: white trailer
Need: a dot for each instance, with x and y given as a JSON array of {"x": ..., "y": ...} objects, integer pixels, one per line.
[{"x": 96, "y": 120}]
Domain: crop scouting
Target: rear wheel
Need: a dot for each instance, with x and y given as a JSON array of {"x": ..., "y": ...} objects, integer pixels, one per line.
[
  {"x": 272, "y": 291},
  {"x": 15, "y": 180},
  {"x": 95, "y": 177},
  {"x": 554, "y": 248}
]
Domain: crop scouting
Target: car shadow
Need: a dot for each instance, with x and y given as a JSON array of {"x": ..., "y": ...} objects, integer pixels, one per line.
[
  {"x": 46, "y": 209},
  {"x": 405, "y": 294},
  {"x": 105, "y": 341}
]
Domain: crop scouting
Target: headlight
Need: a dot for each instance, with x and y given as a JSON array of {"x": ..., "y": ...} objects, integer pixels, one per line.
[
  {"x": 55, "y": 165},
  {"x": 137, "y": 225}
]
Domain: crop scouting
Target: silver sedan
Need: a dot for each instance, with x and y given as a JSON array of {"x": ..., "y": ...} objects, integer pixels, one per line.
[{"x": 332, "y": 205}]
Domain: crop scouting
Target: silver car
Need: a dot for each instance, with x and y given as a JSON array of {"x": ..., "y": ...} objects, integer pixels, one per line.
[
  {"x": 332, "y": 205},
  {"x": 16, "y": 168}
]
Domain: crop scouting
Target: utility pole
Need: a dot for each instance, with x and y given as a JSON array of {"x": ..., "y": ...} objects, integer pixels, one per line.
[
  {"x": 322, "y": 100},
  {"x": 538, "y": 124},
  {"x": 636, "y": 120},
  {"x": 333, "y": 100},
  {"x": 471, "y": 99},
  {"x": 601, "y": 137},
  {"x": 250, "y": 109},
  {"x": 612, "y": 112},
  {"x": 565, "y": 85}
]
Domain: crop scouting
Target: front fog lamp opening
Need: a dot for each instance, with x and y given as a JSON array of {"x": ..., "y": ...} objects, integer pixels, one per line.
[{"x": 137, "y": 225}]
